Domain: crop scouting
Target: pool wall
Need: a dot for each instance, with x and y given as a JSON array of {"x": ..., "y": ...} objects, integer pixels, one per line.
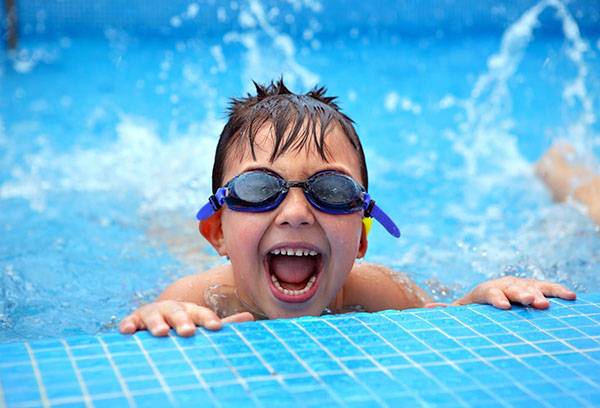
[
  {"x": 459, "y": 356},
  {"x": 41, "y": 18}
]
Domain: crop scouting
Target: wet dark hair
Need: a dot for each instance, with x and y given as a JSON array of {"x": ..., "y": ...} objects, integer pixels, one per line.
[{"x": 297, "y": 120}]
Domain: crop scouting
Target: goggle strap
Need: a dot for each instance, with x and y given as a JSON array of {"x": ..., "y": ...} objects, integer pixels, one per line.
[
  {"x": 215, "y": 202},
  {"x": 383, "y": 219}
]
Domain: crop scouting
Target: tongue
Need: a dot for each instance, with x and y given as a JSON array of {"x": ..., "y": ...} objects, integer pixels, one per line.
[{"x": 293, "y": 271}]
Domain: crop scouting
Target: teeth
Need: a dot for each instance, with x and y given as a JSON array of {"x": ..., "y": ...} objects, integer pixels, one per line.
[
  {"x": 292, "y": 292},
  {"x": 294, "y": 252}
]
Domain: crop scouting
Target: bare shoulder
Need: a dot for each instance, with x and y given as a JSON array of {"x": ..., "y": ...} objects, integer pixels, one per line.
[
  {"x": 191, "y": 288},
  {"x": 376, "y": 287}
]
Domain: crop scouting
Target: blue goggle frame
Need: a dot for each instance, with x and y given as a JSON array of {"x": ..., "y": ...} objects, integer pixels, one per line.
[{"x": 329, "y": 191}]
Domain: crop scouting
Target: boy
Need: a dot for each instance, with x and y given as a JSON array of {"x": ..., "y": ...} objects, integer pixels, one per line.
[{"x": 289, "y": 199}]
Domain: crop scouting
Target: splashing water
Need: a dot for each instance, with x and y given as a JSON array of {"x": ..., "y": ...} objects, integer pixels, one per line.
[{"x": 140, "y": 186}]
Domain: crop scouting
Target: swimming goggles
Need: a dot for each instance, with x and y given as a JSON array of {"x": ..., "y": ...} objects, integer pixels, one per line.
[{"x": 329, "y": 191}]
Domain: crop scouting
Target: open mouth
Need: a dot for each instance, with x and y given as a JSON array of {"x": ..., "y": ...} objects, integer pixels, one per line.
[{"x": 293, "y": 273}]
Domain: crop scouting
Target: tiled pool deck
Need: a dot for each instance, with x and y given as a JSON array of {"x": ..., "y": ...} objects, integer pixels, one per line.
[{"x": 460, "y": 356}]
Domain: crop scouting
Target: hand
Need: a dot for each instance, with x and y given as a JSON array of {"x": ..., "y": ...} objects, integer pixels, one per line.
[
  {"x": 528, "y": 292},
  {"x": 159, "y": 317}
]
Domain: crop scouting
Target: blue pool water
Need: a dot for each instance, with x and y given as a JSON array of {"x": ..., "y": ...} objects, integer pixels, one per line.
[{"x": 109, "y": 116}]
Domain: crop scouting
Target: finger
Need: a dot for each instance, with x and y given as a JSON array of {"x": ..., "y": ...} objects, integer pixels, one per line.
[
  {"x": 434, "y": 304},
  {"x": 155, "y": 322},
  {"x": 203, "y": 316},
  {"x": 131, "y": 324},
  {"x": 497, "y": 298},
  {"x": 556, "y": 290},
  {"x": 519, "y": 293},
  {"x": 540, "y": 301},
  {"x": 177, "y": 317},
  {"x": 239, "y": 317}
]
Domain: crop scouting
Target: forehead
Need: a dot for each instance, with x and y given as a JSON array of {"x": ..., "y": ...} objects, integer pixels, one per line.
[{"x": 299, "y": 161}]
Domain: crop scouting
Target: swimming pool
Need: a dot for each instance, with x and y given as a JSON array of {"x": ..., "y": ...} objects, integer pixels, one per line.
[{"x": 109, "y": 115}]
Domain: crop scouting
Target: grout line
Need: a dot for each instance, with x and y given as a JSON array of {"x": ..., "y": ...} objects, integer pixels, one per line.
[
  {"x": 117, "y": 372},
  {"x": 155, "y": 370},
  {"x": 195, "y": 370},
  {"x": 38, "y": 376},
  {"x": 86, "y": 395},
  {"x": 339, "y": 362}
]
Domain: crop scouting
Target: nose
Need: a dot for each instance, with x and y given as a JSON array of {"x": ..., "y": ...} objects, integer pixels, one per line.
[{"x": 295, "y": 211}]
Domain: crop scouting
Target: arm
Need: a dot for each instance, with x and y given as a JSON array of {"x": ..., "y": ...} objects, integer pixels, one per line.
[
  {"x": 376, "y": 288},
  {"x": 182, "y": 306},
  {"x": 566, "y": 179}
]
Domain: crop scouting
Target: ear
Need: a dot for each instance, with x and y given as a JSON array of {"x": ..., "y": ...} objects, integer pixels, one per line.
[
  {"x": 211, "y": 229},
  {"x": 364, "y": 242}
]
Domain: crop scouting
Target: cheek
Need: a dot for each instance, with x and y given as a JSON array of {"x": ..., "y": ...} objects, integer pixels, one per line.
[
  {"x": 242, "y": 233},
  {"x": 343, "y": 232}
]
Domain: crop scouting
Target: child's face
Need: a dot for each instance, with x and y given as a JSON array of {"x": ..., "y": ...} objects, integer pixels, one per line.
[{"x": 250, "y": 239}]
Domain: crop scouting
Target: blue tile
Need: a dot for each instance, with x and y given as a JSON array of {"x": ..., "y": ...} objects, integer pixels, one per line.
[
  {"x": 508, "y": 392},
  {"x": 325, "y": 365},
  {"x": 549, "y": 324},
  {"x": 319, "y": 397},
  {"x": 64, "y": 391},
  {"x": 312, "y": 355},
  {"x": 107, "y": 387},
  {"x": 266, "y": 386},
  {"x": 287, "y": 367},
  {"x": 471, "y": 342},
  {"x": 230, "y": 391},
  {"x": 18, "y": 397},
  {"x": 440, "y": 398},
  {"x": 413, "y": 378},
  {"x": 590, "y": 330},
  {"x": 378, "y": 350},
  {"x": 392, "y": 361},
  {"x": 100, "y": 362},
  {"x": 195, "y": 397},
  {"x": 100, "y": 375},
  {"x": 18, "y": 382},
  {"x": 117, "y": 402},
  {"x": 187, "y": 379},
  {"x": 344, "y": 386},
  {"x": 295, "y": 384},
  {"x": 172, "y": 367},
  {"x": 252, "y": 372},
  {"x": 358, "y": 363},
  {"x": 148, "y": 383},
  {"x": 544, "y": 388},
  {"x": 406, "y": 346},
  {"x": 583, "y": 344},
  {"x": 520, "y": 349},
  {"x": 578, "y": 321},
  {"x": 221, "y": 376},
  {"x": 490, "y": 352},
  {"x": 158, "y": 400},
  {"x": 426, "y": 358},
  {"x": 91, "y": 350},
  {"x": 404, "y": 400},
  {"x": 457, "y": 354}
]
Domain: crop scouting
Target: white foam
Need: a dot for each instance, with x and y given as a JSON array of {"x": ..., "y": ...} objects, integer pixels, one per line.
[{"x": 167, "y": 175}]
